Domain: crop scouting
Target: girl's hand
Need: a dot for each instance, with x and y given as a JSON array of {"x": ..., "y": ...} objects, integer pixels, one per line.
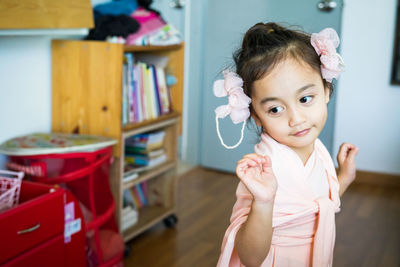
[
  {"x": 255, "y": 171},
  {"x": 347, "y": 166}
]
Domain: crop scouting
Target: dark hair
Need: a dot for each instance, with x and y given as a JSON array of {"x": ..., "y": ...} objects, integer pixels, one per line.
[{"x": 265, "y": 45}]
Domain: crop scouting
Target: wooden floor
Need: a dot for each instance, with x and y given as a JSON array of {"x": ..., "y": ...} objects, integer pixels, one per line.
[{"x": 368, "y": 226}]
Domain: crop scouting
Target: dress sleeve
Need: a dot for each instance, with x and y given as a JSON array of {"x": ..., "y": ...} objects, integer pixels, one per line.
[{"x": 240, "y": 212}]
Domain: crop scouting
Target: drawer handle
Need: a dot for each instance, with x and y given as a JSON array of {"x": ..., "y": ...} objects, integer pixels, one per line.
[{"x": 25, "y": 231}]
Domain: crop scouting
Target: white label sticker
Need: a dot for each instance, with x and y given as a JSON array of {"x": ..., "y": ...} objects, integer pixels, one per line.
[{"x": 72, "y": 227}]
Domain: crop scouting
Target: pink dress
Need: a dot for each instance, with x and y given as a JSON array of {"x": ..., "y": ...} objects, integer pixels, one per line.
[{"x": 303, "y": 224}]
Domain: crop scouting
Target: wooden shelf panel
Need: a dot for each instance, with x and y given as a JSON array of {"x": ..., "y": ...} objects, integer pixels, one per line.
[
  {"x": 46, "y": 14},
  {"x": 133, "y": 126},
  {"x": 148, "y": 216},
  {"x": 146, "y": 175},
  {"x": 151, "y": 48}
]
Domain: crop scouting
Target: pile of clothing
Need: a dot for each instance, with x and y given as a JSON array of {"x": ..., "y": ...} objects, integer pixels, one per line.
[{"x": 132, "y": 22}]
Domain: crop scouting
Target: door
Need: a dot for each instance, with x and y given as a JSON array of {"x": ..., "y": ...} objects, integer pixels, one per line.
[{"x": 225, "y": 22}]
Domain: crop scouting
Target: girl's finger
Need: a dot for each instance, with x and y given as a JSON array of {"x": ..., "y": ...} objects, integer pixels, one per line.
[
  {"x": 255, "y": 157},
  {"x": 343, "y": 151},
  {"x": 267, "y": 165},
  {"x": 248, "y": 161},
  {"x": 352, "y": 154},
  {"x": 245, "y": 164}
]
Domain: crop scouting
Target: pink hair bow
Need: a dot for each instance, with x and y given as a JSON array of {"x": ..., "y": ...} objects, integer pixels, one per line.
[
  {"x": 238, "y": 102},
  {"x": 325, "y": 43}
]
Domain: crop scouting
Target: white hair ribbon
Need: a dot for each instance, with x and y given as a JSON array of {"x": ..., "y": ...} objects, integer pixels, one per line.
[{"x": 238, "y": 103}]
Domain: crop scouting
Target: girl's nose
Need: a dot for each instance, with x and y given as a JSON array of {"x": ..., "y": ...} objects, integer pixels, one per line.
[{"x": 296, "y": 118}]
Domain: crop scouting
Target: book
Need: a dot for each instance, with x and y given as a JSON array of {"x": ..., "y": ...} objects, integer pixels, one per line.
[
  {"x": 128, "y": 199},
  {"x": 137, "y": 197},
  {"x": 130, "y": 169},
  {"x": 143, "y": 198},
  {"x": 147, "y": 92},
  {"x": 149, "y": 140},
  {"x": 157, "y": 91},
  {"x": 152, "y": 92},
  {"x": 145, "y": 189},
  {"x": 130, "y": 87},
  {"x": 145, "y": 89},
  {"x": 163, "y": 90},
  {"x": 130, "y": 177},
  {"x": 132, "y": 150},
  {"x": 129, "y": 217},
  {"x": 142, "y": 93},
  {"x": 143, "y": 160},
  {"x": 124, "y": 92},
  {"x": 137, "y": 97}
]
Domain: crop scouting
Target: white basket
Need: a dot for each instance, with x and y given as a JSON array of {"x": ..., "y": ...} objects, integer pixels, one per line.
[{"x": 10, "y": 186}]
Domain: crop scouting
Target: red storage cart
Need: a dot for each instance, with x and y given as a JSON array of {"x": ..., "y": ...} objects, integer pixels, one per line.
[
  {"x": 80, "y": 163},
  {"x": 35, "y": 230}
]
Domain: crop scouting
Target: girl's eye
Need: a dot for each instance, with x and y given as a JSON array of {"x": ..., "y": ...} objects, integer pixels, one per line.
[
  {"x": 306, "y": 99},
  {"x": 275, "y": 110}
]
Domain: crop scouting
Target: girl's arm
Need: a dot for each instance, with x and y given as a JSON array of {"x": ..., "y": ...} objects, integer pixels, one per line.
[
  {"x": 347, "y": 166},
  {"x": 253, "y": 239}
]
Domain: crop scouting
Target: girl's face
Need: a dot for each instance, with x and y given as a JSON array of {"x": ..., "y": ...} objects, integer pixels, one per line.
[{"x": 290, "y": 103}]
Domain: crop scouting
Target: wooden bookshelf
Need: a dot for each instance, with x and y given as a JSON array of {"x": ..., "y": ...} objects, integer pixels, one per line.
[
  {"x": 87, "y": 99},
  {"x": 133, "y": 126},
  {"x": 152, "y": 48},
  {"x": 146, "y": 175},
  {"x": 149, "y": 216}
]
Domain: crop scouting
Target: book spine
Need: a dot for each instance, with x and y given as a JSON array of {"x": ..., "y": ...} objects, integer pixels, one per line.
[
  {"x": 142, "y": 94},
  {"x": 124, "y": 89},
  {"x": 149, "y": 97},
  {"x": 138, "y": 103},
  {"x": 141, "y": 194},
  {"x": 163, "y": 90},
  {"x": 137, "y": 196},
  {"x": 145, "y": 189},
  {"x": 157, "y": 91},
  {"x": 152, "y": 92},
  {"x": 130, "y": 88},
  {"x": 132, "y": 93}
]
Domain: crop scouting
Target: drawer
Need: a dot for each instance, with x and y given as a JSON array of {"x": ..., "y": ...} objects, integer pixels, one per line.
[
  {"x": 30, "y": 224},
  {"x": 50, "y": 253}
]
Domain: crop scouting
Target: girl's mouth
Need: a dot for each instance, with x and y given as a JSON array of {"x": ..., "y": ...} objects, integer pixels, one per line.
[{"x": 302, "y": 132}]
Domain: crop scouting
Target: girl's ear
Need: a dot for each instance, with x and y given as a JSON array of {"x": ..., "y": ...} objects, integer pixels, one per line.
[{"x": 327, "y": 95}]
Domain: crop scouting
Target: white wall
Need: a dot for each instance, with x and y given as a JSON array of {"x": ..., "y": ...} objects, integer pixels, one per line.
[
  {"x": 25, "y": 91},
  {"x": 368, "y": 107}
]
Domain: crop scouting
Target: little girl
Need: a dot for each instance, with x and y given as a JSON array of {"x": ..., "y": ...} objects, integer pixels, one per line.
[{"x": 288, "y": 192}]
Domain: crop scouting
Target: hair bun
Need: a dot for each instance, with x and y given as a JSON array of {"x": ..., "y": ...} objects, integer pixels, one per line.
[{"x": 260, "y": 36}]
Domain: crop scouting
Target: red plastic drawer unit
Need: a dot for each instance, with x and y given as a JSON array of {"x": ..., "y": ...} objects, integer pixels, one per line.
[
  {"x": 32, "y": 233},
  {"x": 81, "y": 164}
]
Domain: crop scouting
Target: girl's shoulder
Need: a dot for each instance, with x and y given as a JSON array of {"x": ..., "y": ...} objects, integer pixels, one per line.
[{"x": 326, "y": 158}]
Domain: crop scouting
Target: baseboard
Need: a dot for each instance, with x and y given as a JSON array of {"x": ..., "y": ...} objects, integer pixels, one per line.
[{"x": 374, "y": 178}]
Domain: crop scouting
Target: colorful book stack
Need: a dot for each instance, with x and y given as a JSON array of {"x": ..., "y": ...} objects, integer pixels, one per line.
[
  {"x": 145, "y": 91},
  {"x": 135, "y": 198},
  {"x": 140, "y": 194},
  {"x": 129, "y": 212},
  {"x": 144, "y": 151}
]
